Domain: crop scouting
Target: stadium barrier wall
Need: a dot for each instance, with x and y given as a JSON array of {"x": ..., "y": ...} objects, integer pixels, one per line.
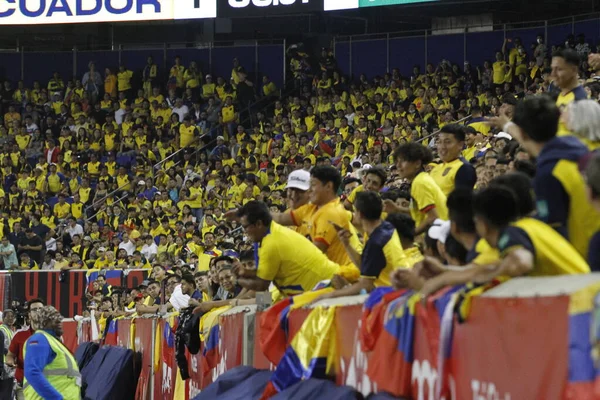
[
  {"x": 528, "y": 338},
  {"x": 257, "y": 59},
  {"x": 379, "y": 53}
]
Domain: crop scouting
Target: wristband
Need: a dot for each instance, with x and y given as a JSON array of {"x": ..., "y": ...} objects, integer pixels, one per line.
[{"x": 507, "y": 126}]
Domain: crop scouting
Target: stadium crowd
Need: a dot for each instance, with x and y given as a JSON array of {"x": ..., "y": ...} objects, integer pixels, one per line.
[{"x": 225, "y": 187}]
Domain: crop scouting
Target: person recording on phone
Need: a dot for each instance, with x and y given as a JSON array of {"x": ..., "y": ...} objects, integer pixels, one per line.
[{"x": 383, "y": 251}]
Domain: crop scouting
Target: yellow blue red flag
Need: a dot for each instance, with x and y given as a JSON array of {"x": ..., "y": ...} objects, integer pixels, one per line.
[{"x": 312, "y": 353}]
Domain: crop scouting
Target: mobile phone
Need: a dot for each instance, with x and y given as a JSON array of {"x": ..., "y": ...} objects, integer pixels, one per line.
[{"x": 336, "y": 226}]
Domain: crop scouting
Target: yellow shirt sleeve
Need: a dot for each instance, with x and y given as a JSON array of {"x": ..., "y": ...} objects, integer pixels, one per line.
[
  {"x": 300, "y": 214},
  {"x": 268, "y": 265},
  {"x": 423, "y": 197},
  {"x": 324, "y": 231}
]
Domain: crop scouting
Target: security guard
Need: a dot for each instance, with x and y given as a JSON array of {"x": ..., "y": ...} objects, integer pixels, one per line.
[{"x": 50, "y": 369}]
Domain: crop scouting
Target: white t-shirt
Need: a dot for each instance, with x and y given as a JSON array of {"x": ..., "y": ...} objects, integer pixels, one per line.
[
  {"x": 181, "y": 111},
  {"x": 129, "y": 247},
  {"x": 76, "y": 230},
  {"x": 149, "y": 251},
  {"x": 179, "y": 300}
]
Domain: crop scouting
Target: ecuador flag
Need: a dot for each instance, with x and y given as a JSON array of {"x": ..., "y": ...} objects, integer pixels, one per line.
[
  {"x": 209, "y": 334},
  {"x": 584, "y": 344},
  {"x": 391, "y": 360},
  {"x": 312, "y": 353},
  {"x": 273, "y": 323}
]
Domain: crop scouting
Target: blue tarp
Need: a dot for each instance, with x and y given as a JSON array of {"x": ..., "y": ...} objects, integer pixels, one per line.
[
  {"x": 247, "y": 383},
  {"x": 110, "y": 375}
]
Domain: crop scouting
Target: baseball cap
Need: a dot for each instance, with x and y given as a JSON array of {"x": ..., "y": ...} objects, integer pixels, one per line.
[
  {"x": 440, "y": 230},
  {"x": 220, "y": 138},
  {"x": 141, "y": 182},
  {"x": 503, "y": 135},
  {"x": 299, "y": 179}
]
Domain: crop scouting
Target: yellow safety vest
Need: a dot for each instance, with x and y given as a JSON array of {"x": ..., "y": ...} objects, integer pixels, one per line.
[
  {"x": 8, "y": 335},
  {"x": 62, "y": 373}
]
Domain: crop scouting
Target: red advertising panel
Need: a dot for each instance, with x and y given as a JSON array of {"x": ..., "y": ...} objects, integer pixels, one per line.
[
  {"x": 69, "y": 336},
  {"x": 353, "y": 361},
  {"x": 166, "y": 374},
  {"x": 231, "y": 338},
  {"x": 5, "y": 291},
  {"x": 124, "y": 333},
  {"x": 425, "y": 379},
  {"x": 259, "y": 359},
  {"x": 512, "y": 349},
  {"x": 144, "y": 332},
  {"x": 65, "y": 295}
]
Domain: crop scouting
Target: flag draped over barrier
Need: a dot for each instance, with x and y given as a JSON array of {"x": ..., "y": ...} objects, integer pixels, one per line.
[
  {"x": 209, "y": 334},
  {"x": 273, "y": 338},
  {"x": 584, "y": 344},
  {"x": 312, "y": 353}
]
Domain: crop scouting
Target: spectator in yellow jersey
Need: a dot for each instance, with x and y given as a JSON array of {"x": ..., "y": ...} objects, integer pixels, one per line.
[
  {"x": 62, "y": 209},
  {"x": 329, "y": 212},
  {"x": 110, "y": 83},
  {"x": 269, "y": 88},
  {"x": 383, "y": 251},
  {"x": 454, "y": 171},
  {"x": 209, "y": 88},
  {"x": 373, "y": 180},
  {"x": 176, "y": 73},
  {"x": 276, "y": 253},
  {"x": 124, "y": 77},
  {"x": 565, "y": 75},
  {"x": 428, "y": 201},
  {"x": 187, "y": 133},
  {"x": 499, "y": 67}
]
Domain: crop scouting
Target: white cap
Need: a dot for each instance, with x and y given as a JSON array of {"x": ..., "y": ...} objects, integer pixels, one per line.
[
  {"x": 101, "y": 249},
  {"x": 220, "y": 138},
  {"x": 440, "y": 230},
  {"x": 503, "y": 135},
  {"x": 299, "y": 179},
  {"x": 141, "y": 182}
]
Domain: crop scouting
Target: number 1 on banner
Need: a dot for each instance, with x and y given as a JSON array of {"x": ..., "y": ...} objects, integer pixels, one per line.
[{"x": 193, "y": 9}]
